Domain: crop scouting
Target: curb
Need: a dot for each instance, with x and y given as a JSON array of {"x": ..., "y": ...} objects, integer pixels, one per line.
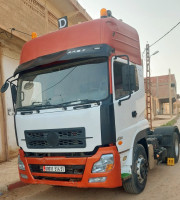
[
  {"x": 11, "y": 187},
  {"x": 16, "y": 185}
]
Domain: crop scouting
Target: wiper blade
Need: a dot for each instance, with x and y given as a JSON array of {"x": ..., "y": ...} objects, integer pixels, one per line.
[
  {"x": 36, "y": 107},
  {"x": 84, "y": 101},
  {"x": 24, "y": 108},
  {"x": 79, "y": 102},
  {"x": 62, "y": 105}
]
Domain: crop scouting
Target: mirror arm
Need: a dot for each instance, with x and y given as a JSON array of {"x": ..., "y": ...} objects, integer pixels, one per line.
[
  {"x": 6, "y": 84},
  {"x": 121, "y": 56},
  {"x": 11, "y": 82},
  {"x": 7, "y": 80},
  {"x": 120, "y": 100}
]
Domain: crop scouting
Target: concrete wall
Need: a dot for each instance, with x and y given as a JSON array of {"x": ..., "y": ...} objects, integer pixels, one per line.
[
  {"x": 38, "y": 15},
  {"x": 25, "y": 16},
  {"x": 12, "y": 147},
  {"x": 10, "y": 54}
]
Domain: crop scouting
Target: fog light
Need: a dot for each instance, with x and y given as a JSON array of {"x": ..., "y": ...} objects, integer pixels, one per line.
[
  {"x": 97, "y": 179},
  {"x": 24, "y": 176},
  {"x": 105, "y": 164},
  {"x": 21, "y": 164}
]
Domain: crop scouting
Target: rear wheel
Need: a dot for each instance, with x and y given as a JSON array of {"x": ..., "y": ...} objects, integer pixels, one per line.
[
  {"x": 175, "y": 148},
  {"x": 137, "y": 182}
]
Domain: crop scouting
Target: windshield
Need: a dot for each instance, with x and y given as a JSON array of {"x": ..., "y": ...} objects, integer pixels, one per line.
[{"x": 64, "y": 83}]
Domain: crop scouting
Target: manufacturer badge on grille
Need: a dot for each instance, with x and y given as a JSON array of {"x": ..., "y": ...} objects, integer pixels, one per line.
[{"x": 52, "y": 139}]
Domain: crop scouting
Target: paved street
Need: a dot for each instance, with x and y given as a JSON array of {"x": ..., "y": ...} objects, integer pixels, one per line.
[{"x": 163, "y": 183}]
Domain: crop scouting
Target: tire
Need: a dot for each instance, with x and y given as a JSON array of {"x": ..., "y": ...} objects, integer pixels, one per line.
[
  {"x": 174, "y": 151},
  {"x": 137, "y": 182}
]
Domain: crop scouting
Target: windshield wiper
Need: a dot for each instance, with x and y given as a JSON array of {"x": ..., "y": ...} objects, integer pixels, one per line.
[
  {"x": 84, "y": 101},
  {"x": 62, "y": 105},
  {"x": 37, "y": 107},
  {"x": 79, "y": 102}
]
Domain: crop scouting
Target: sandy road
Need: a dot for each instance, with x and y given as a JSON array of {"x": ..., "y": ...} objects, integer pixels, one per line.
[{"x": 163, "y": 184}]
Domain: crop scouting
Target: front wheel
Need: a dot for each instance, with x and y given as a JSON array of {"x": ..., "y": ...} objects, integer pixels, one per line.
[{"x": 137, "y": 182}]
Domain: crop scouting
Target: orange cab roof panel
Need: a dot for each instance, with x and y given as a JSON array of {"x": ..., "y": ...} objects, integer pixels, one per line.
[{"x": 120, "y": 36}]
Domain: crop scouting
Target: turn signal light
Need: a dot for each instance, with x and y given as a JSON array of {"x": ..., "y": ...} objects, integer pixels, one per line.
[
  {"x": 34, "y": 35},
  {"x": 120, "y": 142},
  {"x": 109, "y": 167},
  {"x": 104, "y": 13}
]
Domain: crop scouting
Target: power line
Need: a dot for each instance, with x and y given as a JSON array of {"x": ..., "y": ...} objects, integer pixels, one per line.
[
  {"x": 11, "y": 34},
  {"x": 13, "y": 29},
  {"x": 165, "y": 34},
  {"x": 4, "y": 32}
]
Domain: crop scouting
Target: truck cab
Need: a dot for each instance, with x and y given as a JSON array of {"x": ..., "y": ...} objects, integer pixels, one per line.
[{"x": 79, "y": 108}]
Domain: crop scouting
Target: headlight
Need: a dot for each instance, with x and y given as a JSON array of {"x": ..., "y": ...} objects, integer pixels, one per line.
[
  {"x": 105, "y": 164},
  {"x": 21, "y": 164}
]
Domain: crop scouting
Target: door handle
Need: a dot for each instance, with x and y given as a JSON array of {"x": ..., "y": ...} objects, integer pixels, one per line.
[{"x": 134, "y": 114}]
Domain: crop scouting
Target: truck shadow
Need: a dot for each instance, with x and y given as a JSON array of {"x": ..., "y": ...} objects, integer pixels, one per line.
[
  {"x": 67, "y": 193},
  {"x": 157, "y": 179}
]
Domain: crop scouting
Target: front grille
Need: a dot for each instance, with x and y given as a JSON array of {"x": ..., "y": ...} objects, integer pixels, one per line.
[
  {"x": 69, "y": 169},
  {"x": 56, "y": 138},
  {"x": 70, "y": 142}
]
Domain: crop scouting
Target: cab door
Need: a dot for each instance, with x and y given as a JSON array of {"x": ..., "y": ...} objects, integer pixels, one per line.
[{"x": 128, "y": 105}]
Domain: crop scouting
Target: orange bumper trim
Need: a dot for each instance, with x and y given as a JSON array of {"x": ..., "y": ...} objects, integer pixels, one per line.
[{"x": 113, "y": 177}]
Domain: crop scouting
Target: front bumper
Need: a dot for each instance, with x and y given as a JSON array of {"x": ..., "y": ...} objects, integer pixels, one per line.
[{"x": 74, "y": 180}]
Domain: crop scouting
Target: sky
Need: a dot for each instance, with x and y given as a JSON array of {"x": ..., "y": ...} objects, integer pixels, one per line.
[{"x": 152, "y": 19}]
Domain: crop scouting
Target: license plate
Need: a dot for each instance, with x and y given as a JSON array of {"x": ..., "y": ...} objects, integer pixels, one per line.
[{"x": 53, "y": 168}]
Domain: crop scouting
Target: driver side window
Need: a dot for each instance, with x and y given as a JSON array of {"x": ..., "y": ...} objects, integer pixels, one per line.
[
  {"x": 119, "y": 92},
  {"x": 118, "y": 81}
]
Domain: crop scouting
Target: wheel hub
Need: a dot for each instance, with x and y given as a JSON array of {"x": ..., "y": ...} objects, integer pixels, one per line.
[{"x": 141, "y": 169}]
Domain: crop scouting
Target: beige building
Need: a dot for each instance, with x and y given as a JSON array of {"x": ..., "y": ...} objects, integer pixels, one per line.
[
  {"x": 18, "y": 19},
  {"x": 163, "y": 88}
]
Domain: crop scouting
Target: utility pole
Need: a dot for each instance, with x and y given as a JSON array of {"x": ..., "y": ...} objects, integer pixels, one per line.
[
  {"x": 170, "y": 94},
  {"x": 148, "y": 87}
]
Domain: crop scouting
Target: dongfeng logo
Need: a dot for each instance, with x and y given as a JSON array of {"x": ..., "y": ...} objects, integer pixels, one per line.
[{"x": 76, "y": 51}]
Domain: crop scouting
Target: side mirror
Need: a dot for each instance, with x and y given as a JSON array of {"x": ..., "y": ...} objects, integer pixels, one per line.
[
  {"x": 132, "y": 78},
  {"x": 4, "y": 87},
  {"x": 125, "y": 77},
  {"x": 128, "y": 77},
  {"x": 14, "y": 93}
]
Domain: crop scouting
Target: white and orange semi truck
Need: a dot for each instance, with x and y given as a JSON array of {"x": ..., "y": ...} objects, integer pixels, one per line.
[{"x": 79, "y": 109}]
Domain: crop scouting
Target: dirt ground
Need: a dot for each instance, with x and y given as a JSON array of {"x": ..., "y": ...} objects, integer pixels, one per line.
[
  {"x": 8, "y": 173},
  {"x": 163, "y": 184}
]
